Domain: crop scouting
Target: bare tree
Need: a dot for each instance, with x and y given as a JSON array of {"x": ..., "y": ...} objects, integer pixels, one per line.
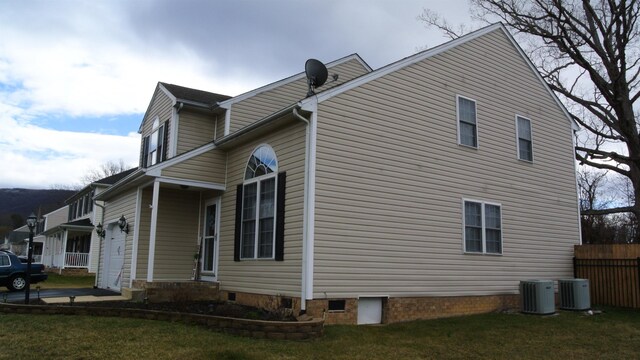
[
  {"x": 105, "y": 170},
  {"x": 591, "y": 189},
  {"x": 588, "y": 52}
]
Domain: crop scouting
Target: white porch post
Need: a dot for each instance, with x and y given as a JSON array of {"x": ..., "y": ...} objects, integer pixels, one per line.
[
  {"x": 63, "y": 251},
  {"x": 152, "y": 231}
]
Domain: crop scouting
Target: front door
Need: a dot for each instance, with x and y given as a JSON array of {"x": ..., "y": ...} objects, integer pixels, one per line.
[
  {"x": 115, "y": 259},
  {"x": 208, "y": 257}
]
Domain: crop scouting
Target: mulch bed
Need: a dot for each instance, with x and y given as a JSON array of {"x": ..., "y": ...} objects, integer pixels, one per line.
[{"x": 199, "y": 307}]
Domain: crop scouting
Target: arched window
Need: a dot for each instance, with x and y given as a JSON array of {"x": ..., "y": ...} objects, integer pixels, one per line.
[
  {"x": 262, "y": 162},
  {"x": 258, "y": 215}
]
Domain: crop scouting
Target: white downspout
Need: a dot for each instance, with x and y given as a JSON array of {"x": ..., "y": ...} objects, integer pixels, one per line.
[
  {"x": 309, "y": 209},
  {"x": 303, "y": 290}
]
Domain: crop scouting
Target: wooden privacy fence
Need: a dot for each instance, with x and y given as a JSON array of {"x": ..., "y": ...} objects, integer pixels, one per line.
[
  {"x": 613, "y": 282},
  {"x": 613, "y": 272}
]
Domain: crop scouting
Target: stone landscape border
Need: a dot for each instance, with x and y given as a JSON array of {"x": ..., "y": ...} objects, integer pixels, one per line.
[{"x": 261, "y": 329}]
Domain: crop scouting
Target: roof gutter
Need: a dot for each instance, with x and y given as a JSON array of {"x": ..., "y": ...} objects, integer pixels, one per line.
[{"x": 180, "y": 103}]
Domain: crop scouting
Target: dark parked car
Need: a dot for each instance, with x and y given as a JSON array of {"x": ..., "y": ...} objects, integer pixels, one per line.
[{"x": 13, "y": 272}]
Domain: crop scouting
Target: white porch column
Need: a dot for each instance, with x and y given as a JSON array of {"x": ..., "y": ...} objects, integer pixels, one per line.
[
  {"x": 63, "y": 251},
  {"x": 152, "y": 231}
]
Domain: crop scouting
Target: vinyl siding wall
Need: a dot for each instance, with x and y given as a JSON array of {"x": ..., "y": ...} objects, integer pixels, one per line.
[
  {"x": 161, "y": 106},
  {"x": 143, "y": 236},
  {"x": 266, "y": 276},
  {"x": 261, "y": 105},
  {"x": 124, "y": 204},
  {"x": 58, "y": 217},
  {"x": 219, "y": 121},
  {"x": 208, "y": 167},
  {"x": 391, "y": 179},
  {"x": 195, "y": 129},
  {"x": 177, "y": 234},
  {"x": 96, "y": 216}
]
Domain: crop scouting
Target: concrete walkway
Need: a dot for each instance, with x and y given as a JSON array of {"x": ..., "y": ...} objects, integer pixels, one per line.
[
  {"x": 84, "y": 298},
  {"x": 60, "y": 296}
]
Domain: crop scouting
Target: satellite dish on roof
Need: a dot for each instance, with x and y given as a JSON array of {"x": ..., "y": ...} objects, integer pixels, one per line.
[{"x": 316, "y": 74}]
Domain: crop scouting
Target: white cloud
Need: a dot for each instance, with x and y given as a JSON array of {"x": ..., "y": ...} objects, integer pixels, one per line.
[
  {"x": 66, "y": 59},
  {"x": 35, "y": 157}
]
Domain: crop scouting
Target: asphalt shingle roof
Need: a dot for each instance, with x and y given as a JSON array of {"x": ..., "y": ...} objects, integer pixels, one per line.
[
  {"x": 110, "y": 180},
  {"x": 185, "y": 93}
]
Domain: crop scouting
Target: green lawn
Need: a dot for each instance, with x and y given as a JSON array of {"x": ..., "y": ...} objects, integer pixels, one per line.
[
  {"x": 56, "y": 281},
  {"x": 614, "y": 334}
]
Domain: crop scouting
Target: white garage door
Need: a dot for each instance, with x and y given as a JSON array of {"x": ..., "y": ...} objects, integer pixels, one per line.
[{"x": 115, "y": 259}]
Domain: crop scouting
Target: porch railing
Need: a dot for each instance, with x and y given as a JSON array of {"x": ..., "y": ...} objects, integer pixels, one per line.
[{"x": 80, "y": 260}]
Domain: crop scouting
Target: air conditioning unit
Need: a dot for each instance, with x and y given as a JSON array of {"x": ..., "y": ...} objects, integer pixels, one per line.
[
  {"x": 574, "y": 294},
  {"x": 538, "y": 297}
]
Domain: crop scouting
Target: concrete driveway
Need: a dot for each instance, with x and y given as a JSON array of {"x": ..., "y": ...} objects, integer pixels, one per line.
[{"x": 18, "y": 296}]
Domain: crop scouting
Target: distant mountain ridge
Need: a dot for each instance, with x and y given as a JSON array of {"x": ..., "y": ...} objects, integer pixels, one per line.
[{"x": 24, "y": 201}]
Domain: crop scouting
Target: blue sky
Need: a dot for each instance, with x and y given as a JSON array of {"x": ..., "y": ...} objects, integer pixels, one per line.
[{"x": 77, "y": 76}]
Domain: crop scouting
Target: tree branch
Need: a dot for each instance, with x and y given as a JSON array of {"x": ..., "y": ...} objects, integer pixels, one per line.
[
  {"x": 584, "y": 160},
  {"x": 624, "y": 209}
]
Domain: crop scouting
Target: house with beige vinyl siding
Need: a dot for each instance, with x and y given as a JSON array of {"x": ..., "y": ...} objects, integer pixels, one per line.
[{"x": 426, "y": 188}]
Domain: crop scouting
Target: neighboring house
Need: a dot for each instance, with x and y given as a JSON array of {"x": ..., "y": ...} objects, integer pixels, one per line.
[
  {"x": 70, "y": 239},
  {"x": 17, "y": 241},
  {"x": 53, "y": 253},
  {"x": 426, "y": 188}
]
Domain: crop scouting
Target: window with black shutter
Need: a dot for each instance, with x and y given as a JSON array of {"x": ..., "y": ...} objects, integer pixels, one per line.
[
  {"x": 260, "y": 209},
  {"x": 155, "y": 145}
]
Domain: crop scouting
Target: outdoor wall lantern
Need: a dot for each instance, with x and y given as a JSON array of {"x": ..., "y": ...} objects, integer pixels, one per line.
[
  {"x": 31, "y": 223},
  {"x": 122, "y": 223},
  {"x": 100, "y": 230}
]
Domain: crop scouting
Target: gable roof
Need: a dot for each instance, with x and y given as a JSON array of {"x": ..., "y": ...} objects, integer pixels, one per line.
[
  {"x": 251, "y": 93},
  {"x": 185, "y": 95},
  {"x": 410, "y": 60},
  {"x": 194, "y": 95}
]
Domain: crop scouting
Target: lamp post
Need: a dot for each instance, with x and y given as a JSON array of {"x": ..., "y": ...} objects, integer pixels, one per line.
[{"x": 31, "y": 223}]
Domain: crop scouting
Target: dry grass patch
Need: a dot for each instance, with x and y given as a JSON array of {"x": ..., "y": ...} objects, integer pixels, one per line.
[
  {"x": 612, "y": 335},
  {"x": 57, "y": 281}
]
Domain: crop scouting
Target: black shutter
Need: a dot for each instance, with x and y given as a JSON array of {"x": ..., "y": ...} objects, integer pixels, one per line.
[
  {"x": 160, "y": 148},
  {"x": 165, "y": 141},
  {"x": 282, "y": 185},
  {"x": 144, "y": 152},
  {"x": 236, "y": 240}
]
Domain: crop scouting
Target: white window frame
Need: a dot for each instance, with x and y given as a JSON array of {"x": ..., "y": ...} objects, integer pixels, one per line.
[
  {"x": 518, "y": 138},
  {"x": 458, "y": 97},
  {"x": 152, "y": 154},
  {"x": 484, "y": 228},
  {"x": 216, "y": 240},
  {"x": 258, "y": 180}
]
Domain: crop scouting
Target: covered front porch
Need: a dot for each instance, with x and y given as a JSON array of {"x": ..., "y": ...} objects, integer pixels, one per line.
[
  {"x": 178, "y": 233},
  {"x": 68, "y": 246},
  {"x": 173, "y": 222}
]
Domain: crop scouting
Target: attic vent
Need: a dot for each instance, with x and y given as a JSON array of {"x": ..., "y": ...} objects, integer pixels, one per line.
[
  {"x": 538, "y": 297},
  {"x": 574, "y": 294}
]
